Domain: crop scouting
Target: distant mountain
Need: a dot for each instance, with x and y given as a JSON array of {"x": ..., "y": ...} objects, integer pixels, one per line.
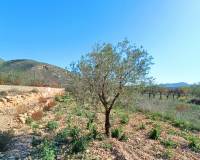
[
  {"x": 28, "y": 72},
  {"x": 175, "y": 85}
]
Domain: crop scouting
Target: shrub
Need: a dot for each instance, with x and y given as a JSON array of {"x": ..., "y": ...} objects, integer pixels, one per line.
[
  {"x": 124, "y": 119},
  {"x": 5, "y": 138},
  {"x": 62, "y": 135},
  {"x": 47, "y": 150},
  {"x": 36, "y": 141},
  {"x": 194, "y": 143},
  {"x": 52, "y": 125},
  {"x": 79, "y": 145},
  {"x": 37, "y": 116},
  {"x": 155, "y": 133},
  {"x": 74, "y": 133}
]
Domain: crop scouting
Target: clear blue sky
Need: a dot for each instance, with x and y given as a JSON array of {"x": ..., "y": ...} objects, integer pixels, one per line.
[{"x": 60, "y": 31}]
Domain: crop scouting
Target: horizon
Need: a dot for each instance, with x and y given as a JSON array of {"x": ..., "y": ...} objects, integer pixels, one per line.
[{"x": 60, "y": 32}]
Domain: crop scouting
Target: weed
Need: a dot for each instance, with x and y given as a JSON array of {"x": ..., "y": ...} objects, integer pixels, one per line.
[
  {"x": 169, "y": 143},
  {"x": 155, "y": 133},
  {"x": 124, "y": 119},
  {"x": 62, "y": 135},
  {"x": 123, "y": 138},
  {"x": 47, "y": 149},
  {"x": 49, "y": 106},
  {"x": 142, "y": 126},
  {"x": 79, "y": 145},
  {"x": 74, "y": 133},
  {"x": 116, "y": 133},
  {"x": 29, "y": 120},
  {"x": 35, "y": 90},
  {"x": 168, "y": 154},
  {"x": 52, "y": 125},
  {"x": 194, "y": 143},
  {"x": 107, "y": 146}
]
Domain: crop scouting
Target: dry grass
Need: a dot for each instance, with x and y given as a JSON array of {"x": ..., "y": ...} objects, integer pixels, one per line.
[
  {"x": 49, "y": 106},
  {"x": 37, "y": 116},
  {"x": 21, "y": 109},
  {"x": 42, "y": 100}
]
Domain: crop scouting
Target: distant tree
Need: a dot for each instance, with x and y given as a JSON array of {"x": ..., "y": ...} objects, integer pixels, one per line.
[{"x": 107, "y": 70}]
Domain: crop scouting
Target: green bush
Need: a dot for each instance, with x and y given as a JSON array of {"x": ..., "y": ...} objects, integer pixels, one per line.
[
  {"x": 52, "y": 125},
  {"x": 194, "y": 143},
  {"x": 155, "y": 133},
  {"x": 5, "y": 138}
]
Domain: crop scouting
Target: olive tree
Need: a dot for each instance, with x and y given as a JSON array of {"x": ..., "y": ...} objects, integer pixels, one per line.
[{"x": 108, "y": 69}]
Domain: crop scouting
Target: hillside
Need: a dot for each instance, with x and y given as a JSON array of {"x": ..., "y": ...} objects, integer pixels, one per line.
[
  {"x": 1, "y": 61},
  {"x": 25, "y": 72},
  {"x": 175, "y": 85}
]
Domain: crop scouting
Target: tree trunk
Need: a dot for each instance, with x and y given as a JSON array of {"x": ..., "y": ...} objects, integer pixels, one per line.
[{"x": 107, "y": 123}]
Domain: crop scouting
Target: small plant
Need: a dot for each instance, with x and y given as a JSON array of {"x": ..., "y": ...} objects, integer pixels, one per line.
[
  {"x": 52, "y": 125},
  {"x": 3, "y": 93},
  {"x": 37, "y": 116},
  {"x": 107, "y": 146},
  {"x": 124, "y": 119},
  {"x": 29, "y": 121},
  {"x": 62, "y": 135},
  {"x": 116, "y": 133},
  {"x": 5, "y": 138},
  {"x": 168, "y": 154},
  {"x": 194, "y": 143},
  {"x": 79, "y": 145},
  {"x": 36, "y": 141},
  {"x": 169, "y": 143},
  {"x": 155, "y": 133},
  {"x": 34, "y": 126},
  {"x": 142, "y": 126},
  {"x": 47, "y": 150},
  {"x": 123, "y": 138},
  {"x": 74, "y": 133}
]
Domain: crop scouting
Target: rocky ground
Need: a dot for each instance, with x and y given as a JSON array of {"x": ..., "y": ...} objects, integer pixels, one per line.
[{"x": 172, "y": 143}]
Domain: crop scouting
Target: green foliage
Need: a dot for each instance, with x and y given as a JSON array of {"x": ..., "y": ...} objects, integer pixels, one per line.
[
  {"x": 124, "y": 119},
  {"x": 74, "y": 133},
  {"x": 36, "y": 141},
  {"x": 116, "y": 133},
  {"x": 62, "y": 135},
  {"x": 169, "y": 143},
  {"x": 107, "y": 146},
  {"x": 123, "y": 138},
  {"x": 168, "y": 154},
  {"x": 155, "y": 133},
  {"x": 79, "y": 145},
  {"x": 52, "y": 125},
  {"x": 48, "y": 151},
  {"x": 5, "y": 138},
  {"x": 194, "y": 143},
  {"x": 64, "y": 98}
]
